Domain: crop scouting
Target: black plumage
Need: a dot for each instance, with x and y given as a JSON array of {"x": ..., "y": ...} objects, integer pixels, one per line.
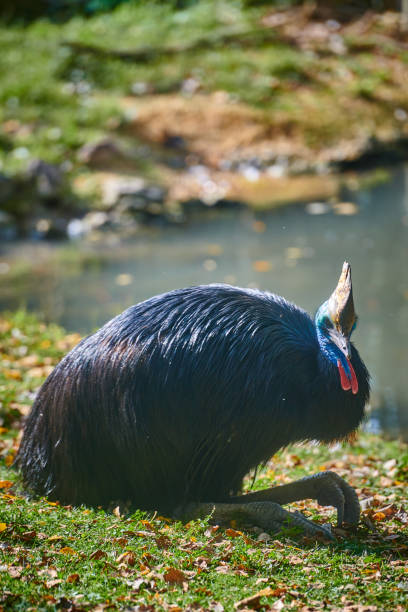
[{"x": 180, "y": 396}]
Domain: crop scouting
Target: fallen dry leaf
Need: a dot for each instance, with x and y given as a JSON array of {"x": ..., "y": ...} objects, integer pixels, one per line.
[
  {"x": 294, "y": 560},
  {"x": 136, "y": 584},
  {"x": 9, "y": 459},
  {"x": 73, "y": 578},
  {"x": 97, "y": 554},
  {"x": 127, "y": 557},
  {"x": 388, "y": 465},
  {"x": 174, "y": 576},
  {"x": 49, "y": 572},
  {"x": 389, "y": 511},
  {"x": 233, "y": 533},
  {"x": 143, "y": 534},
  {"x": 163, "y": 541},
  {"x": 8, "y": 496},
  {"x": 121, "y": 541},
  {"x": 39, "y": 372},
  {"x": 68, "y": 342},
  {"x": 28, "y": 535},
  {"x": 30, "y": 361},
  {"x": 52, "y": 583},
  {"x": 13, "y": 374},
  {"x": 5, "y": 484},
  {"x": 67, "y": 550},
  {"x": 253, "y": 601},
  {"x": 23, "y": 409},
  {"x": 15, "y": 572}
]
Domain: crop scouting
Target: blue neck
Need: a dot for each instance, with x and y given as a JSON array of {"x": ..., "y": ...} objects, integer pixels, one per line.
[{"x": 328, "y": 348}]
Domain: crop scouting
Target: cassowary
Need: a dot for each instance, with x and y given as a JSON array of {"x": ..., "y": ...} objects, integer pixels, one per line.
[{"x": 170, "y": 404}]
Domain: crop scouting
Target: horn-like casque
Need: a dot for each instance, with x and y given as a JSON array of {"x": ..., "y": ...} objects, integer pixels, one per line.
[{"x": 341, "y": 305}]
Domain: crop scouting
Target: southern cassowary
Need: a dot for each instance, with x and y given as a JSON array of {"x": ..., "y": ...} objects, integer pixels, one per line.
[{"x": 170, "y": 404}]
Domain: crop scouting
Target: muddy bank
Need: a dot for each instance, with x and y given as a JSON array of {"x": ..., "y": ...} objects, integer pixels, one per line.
[{"x": 45, "y": 203}]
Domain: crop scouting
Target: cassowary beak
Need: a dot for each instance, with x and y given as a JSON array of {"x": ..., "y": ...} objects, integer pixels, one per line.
[
  {"x": 341, "y": 342},
  {"x": 341, "y": 306},
  {"x": 348, "y": 377}
]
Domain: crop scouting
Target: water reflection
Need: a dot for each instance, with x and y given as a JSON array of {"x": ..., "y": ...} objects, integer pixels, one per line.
[{"x": 295, "y": 251}]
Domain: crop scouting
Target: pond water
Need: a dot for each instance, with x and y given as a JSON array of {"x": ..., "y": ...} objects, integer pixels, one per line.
[{"x": 296, "y": 251}]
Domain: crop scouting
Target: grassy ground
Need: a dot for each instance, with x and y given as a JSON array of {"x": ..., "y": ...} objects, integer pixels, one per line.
[
  {"x": 60, "y": 557},
  {"x": 230, "y": 82}
]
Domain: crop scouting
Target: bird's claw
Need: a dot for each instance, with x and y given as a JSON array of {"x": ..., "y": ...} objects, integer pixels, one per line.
[
  {"x": 274, "y": 518},
  {"x": 310, "y": 528}
]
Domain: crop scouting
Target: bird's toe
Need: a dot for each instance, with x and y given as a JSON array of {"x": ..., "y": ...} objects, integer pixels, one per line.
[{"x": 336, "y": 492}]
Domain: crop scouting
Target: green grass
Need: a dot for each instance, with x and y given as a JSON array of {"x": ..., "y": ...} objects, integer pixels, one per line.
[{"x": 56, "y": 557}]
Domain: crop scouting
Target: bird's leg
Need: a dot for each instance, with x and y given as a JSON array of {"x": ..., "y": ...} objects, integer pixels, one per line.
[
  {"x": 326, "y": 487},
  {"x": 265, "y": 514}
]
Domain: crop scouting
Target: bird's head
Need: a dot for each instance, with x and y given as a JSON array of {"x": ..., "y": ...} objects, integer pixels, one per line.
[{"x": 335, "y": 321}]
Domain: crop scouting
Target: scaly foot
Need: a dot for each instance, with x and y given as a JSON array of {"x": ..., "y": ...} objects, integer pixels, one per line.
[
  {"x": 268, "y": 515},
  {"x": 328, "y": 488}
]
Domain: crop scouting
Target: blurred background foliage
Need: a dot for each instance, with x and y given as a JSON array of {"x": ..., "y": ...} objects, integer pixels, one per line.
[{"x": 64, "y": 9}]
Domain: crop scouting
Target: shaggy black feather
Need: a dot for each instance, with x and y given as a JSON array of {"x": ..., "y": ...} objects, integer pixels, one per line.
[{"x": 178, "y": 397}]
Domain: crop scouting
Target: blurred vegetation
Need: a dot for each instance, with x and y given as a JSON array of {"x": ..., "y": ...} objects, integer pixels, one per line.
[
  {"x": 62, "y": 84},
  {"x": 55, "y": 9},
  {"x": 65, "y": 9}
]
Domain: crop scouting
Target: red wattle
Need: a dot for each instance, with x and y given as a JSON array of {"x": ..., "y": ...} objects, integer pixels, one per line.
[
  {"x": 345, "y": 383},
  {"x": 354, "y": 382}
]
